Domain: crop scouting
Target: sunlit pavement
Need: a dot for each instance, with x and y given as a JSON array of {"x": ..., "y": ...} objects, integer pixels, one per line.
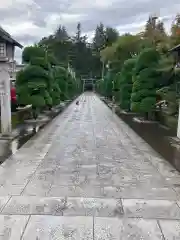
[{"x": 86, "y": 176}]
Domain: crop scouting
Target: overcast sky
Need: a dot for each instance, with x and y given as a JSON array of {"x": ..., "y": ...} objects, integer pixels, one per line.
[{"x": 29, "y": 20}]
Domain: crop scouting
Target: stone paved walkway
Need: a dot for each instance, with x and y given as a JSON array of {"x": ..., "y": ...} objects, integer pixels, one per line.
[{"x": 88, "y": 176}]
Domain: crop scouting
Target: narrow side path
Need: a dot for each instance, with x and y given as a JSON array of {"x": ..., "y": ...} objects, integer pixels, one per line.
[{"x": 88, "y": 176}]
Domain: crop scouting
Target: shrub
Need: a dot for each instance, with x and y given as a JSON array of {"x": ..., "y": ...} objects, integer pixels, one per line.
[
  {"x": 143, "y": 97},
  {"x": 125, "y": 83}
]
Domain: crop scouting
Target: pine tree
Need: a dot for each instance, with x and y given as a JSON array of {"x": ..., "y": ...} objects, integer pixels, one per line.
[
  {"x": 126, "y": 83},
  {"x": 111, "y": 36},
  {"x": 150, "y": 28},
  {"x": 32, "y": 85},
  {"x": 78, "y": 34},
  {"x": 143, "y": 97},
  {"x": 99, "y": 39},
  {"x": 61, "y": 33},
  {"x": 160, "y": 27}
]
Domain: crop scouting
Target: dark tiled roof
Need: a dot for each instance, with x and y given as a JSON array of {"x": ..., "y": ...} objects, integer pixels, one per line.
[
  {"x": 176, "y": 48},
  {"x": 7, "y": 37}
]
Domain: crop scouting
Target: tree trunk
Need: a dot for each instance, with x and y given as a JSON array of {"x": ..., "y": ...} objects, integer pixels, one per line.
[
  {"x": 34, "y": 112},
  {"x": 146, "y": 116}
]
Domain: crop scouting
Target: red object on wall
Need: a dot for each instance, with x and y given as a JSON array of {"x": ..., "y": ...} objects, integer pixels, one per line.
[
  {"x": 13, "y": 94},
  {"x": 178, "y": 31}
]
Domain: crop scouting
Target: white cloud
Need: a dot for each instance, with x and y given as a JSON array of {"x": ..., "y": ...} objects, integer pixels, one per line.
[
  {"x": 29, "y": 20},
  {"x": 21, "y": 28},
  {"x": 68, "y": 18},
  {"x": 9, "y": 3}
]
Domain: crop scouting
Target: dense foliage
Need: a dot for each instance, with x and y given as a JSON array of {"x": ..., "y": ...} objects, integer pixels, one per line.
[
  {"x": 126, "y": 82},
  {"x": 83, "y": 56},
  {"x": 143, "y": 98},
  {"x": 43, "y": 83},
  {"x": 136, "y": 69},
  {"x": 152, "y": 77}
]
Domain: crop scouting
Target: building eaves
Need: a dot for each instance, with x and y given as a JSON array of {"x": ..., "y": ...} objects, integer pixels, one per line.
[{"x": 7, "y": 37}]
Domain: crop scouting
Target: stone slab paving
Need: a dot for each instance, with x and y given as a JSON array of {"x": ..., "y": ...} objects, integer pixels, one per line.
[
  {"x": 51, "y": 227},
  {"x": 88, "y": 176}
]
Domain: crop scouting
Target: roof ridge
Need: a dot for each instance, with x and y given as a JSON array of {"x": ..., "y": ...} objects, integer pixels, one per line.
[
  {"x": 4, "y": 31},
  {"x": 6, "y": 36}
]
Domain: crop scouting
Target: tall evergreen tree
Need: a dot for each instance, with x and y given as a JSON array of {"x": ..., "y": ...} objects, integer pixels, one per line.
[
  {"x": 61, "y": 33},
  {"x": 160, "y": 27},
  {"x": 126, "y": 83},
  {"x": 78, "y": 33},
  {"x": 99, "y": 39},
  {"x": 111, "y": 35},
  {"x": 75, "y": 50},
  {"x": 175, "y": 31},
  {"x": 143, "y": 97}
]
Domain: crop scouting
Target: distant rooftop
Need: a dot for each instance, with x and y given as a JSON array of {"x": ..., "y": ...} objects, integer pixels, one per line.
[{"x": 6, "y": 36}]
